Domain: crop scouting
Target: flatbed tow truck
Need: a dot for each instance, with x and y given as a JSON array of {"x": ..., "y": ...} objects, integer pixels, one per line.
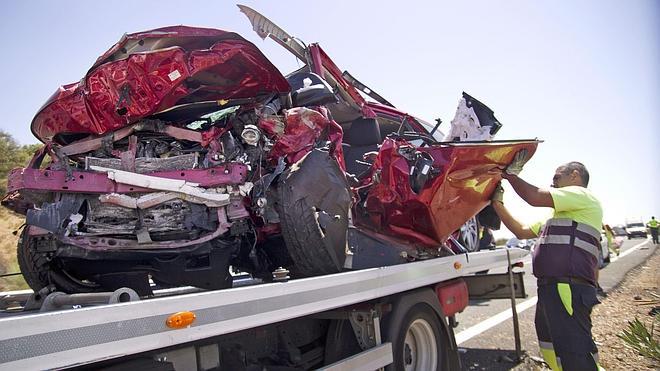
[{"x": 397, "y": 317}]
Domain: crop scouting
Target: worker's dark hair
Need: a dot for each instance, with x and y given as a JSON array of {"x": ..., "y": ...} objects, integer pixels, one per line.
[{"x": 580, "y": 168}]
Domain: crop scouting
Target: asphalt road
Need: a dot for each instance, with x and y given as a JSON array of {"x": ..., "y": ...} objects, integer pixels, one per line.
[{"x": 485, "y": 331}]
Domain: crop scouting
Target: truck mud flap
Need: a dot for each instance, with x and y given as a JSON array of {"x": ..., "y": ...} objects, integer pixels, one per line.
[{"x": 495, "y": 286}]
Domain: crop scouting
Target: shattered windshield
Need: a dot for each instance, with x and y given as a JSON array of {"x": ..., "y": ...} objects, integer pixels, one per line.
[
  {"x": 214, "y": 118},
  {"x": 428, "y": 127}
]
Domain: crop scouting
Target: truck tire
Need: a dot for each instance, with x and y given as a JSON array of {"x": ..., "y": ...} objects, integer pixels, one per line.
[
  {"x": 417, "y": 341},
  {"x": 340, "y": 342},
  {"x": 40, "y": 272},
  {"x": 314, "y": 199}
]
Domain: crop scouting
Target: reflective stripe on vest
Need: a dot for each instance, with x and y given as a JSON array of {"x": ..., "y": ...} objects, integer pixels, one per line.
[
  {"x": 562, "y": 222},
  {"x": 567, "y": 248},
  {"x": 566, "y": 240}
]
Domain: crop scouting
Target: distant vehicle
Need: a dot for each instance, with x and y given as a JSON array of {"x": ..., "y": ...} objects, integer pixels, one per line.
[
  {"x": 619, "y": 230},
  {"x": 526, "y": 244},
  {"x": 604, "y": 249},
  {"x": 514, "y": 242},
  {"x": 636, "y": 229},
  {"x": 529, "y": 243}
]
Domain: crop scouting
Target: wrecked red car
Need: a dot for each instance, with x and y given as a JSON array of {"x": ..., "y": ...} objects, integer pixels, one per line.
[{"x": 184, "y": 154}]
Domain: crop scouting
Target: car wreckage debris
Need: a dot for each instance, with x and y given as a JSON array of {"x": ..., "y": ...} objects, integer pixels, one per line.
[
  {"x": 183, "y": 153},
  {"x": 183, "y": 187}
]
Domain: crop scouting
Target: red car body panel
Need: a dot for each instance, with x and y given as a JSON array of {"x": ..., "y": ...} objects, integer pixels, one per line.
[
  {"x": 320, "y": 58},
  {"x": 469, "y": 175},
  {"x": 303, "y": 127},
  {"x": 94, "y": 182},
  {"x": 190, "y": 65}
]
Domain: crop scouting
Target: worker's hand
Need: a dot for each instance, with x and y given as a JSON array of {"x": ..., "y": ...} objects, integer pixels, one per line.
[
  {"x": 498, "y": 194},
  {"x": 519, "y": 160}
]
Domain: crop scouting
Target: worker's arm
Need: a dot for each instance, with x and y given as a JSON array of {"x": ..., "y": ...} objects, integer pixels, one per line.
[
  {"x": 531, "y": 194},
  {"x": 520, "y": 230}
]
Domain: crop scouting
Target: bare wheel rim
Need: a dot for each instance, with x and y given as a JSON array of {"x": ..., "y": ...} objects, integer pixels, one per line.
[
  {"x": 470, "y": 234},
  {"x": 420, "y": 347}
]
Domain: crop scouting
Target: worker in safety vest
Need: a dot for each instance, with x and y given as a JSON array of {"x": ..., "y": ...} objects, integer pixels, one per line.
[
  {"x": 612, "y": 244},
  {"x": 652, "y": 225},
  {"x": 565, "y": 261}
]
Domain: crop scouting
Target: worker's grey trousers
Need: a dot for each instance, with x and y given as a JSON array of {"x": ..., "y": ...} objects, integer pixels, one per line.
[{"x": 563, "y": 325}]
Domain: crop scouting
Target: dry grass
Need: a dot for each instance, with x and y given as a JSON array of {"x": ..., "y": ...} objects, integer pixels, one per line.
[
  {"x": 634, "y": 298},
  {"x": 9, "y": 222}
]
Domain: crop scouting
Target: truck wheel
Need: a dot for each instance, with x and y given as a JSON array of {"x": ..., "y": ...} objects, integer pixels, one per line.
[
  {"x": 40, "y": 272},
  {"x": 314, "y": 199},
  {"x": 417, "y": 342},
  {"x": 340, "y": 341}
]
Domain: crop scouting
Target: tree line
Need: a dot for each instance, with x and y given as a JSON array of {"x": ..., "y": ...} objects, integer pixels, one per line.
[{"x": 13, "y": 155}]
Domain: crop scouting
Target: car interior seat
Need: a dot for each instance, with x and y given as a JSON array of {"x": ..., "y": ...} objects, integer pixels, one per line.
[
  {"x": 309, "y": 89},
  {"x": 361, "y": 137}
]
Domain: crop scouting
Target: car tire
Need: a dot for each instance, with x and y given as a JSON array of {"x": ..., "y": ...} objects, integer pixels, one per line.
[
  {"x": 314, "y": 199},
  {"x": 39, "y": 272},
  {"x": 417, "y": 341},
  {"x": 33, "y": 266}
]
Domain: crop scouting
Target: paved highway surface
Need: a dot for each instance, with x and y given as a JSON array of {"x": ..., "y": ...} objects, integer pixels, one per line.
[{"x": 485, "y": 329}]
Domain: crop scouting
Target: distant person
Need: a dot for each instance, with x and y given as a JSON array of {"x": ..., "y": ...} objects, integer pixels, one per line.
[
  {"x": 612, "y": 243},
  {"x": 565, "y": 261},
  {"x": 652, "y": 225}
]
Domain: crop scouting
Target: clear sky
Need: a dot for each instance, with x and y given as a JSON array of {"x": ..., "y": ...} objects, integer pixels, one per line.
[{"x": 582, "y": 75}]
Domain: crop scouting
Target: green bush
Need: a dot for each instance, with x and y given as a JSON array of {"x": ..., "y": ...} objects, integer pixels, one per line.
[
  {"x": 638, "y": 337},
  {"x": 12, "y": 156}
]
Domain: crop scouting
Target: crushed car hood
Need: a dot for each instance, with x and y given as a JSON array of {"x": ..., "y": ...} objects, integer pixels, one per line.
[{"x": 151, "y": 71}]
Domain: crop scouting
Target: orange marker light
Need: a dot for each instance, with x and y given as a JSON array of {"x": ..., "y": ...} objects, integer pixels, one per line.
[
  {"x": 457, "y": 265},
  {"x": 180, "y": 320}
]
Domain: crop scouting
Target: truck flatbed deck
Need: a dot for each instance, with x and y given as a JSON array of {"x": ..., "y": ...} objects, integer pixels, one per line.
[{"x": 92, "y": 334}]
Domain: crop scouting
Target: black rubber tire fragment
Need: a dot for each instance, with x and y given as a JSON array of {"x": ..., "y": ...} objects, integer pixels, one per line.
[
  {"x": 314, "y": 199},
  {"x": 39, "y": 272}
]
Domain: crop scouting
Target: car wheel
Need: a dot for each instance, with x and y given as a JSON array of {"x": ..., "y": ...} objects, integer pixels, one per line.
[
  {"x": 314, "y": 199},
  {"x": 39, "y": 271},
  {"x": 417, "y": 343},
  {"x": 468, "y": 235},
  {"x": 33, "y": 266}
]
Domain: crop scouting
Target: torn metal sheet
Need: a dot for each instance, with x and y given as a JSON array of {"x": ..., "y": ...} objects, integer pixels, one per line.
[
  {"x": 153, "y": 199},
  {"x": 162, "y": 184},
  {"x": 264, "y": 27},
  {"x": 52, "y": 216},
  {"x": 147, "y": 165},
  {"x": 110, "y": 243}
]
